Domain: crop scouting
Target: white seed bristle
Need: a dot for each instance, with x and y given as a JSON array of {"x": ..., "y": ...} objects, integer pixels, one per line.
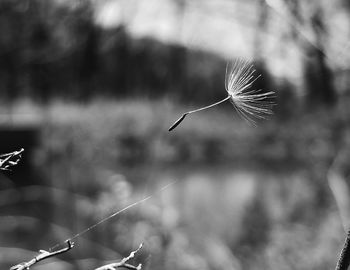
[{"x": 251, "y": 104}]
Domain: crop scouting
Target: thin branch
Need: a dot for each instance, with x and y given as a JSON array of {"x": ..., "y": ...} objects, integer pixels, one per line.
[
  {"x": 10, "y": 159},
  {"x": 344, "y": 258},
  {"x": 123, "y": 263},
  {"x": 338, "y": 186},
  {"x": 43, "y": 254}
]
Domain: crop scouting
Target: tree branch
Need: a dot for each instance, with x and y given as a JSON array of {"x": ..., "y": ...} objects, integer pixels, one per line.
[
  {"x": 344, "y": 258},
  {"x": 43, "y": 254},
  {"x": 10, "y": 159},
  {"x": 123, "y": 263}
]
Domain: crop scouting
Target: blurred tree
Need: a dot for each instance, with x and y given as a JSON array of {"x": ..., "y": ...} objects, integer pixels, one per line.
[
  {"x": 38, "y": 49},
  {"x": 317, "y": 74},
  {"x": 260, "y": 30},
  {"x": 179, "y": 53},
  {"x": 80, "y": 45},
  {"x": 89, "y": 58},
  {"x": 11, "y": 27},
  {"x": 119, "y": 69},
  {"x": 294, "y": 7}
]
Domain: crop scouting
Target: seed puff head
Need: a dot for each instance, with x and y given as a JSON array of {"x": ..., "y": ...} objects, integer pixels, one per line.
[{"x": 251, "y": 104}]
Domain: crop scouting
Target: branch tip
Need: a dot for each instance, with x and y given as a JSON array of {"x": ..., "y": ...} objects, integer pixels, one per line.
[
  {"x": 43, "y": 254},
  {"x": 123, "y": 263}
]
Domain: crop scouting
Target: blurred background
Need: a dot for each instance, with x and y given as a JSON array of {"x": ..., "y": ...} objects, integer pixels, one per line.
[{"x": 89, "y": 88}]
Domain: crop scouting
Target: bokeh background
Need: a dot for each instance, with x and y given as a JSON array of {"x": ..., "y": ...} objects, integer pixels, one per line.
[{"x": 89, "y": 88}]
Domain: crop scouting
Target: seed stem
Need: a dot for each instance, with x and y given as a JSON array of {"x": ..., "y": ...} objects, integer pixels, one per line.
[
  {"x": 178, "y": 121},
  {"x": 209, "y": 106}
]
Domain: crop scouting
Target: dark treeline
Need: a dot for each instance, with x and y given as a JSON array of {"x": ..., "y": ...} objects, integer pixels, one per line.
[{"x": 51, "y": 51}]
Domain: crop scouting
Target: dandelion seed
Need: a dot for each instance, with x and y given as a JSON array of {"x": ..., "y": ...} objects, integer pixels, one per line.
[{"x": 250, "y": 104}]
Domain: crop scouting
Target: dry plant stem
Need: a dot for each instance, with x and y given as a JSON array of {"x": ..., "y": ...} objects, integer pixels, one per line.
[
  {"x": 42, "y": 256},
  {"x": 10, "y": 159},
  {"x": 178, "y": 121},
  {"x": 123, "y": 263},
  {"x": 344, "y": 258}
]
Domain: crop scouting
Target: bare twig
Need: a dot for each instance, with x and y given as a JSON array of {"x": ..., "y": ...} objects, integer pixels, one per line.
[
  {"x": 340, "y": 191},
  {"x": 123, "y": 263},
  {"x": 43, "y": 254},
  {"x": 10, "y": 159},
  {"x": 339, "y": 188},
  {"x": 344, "y": 258}
]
